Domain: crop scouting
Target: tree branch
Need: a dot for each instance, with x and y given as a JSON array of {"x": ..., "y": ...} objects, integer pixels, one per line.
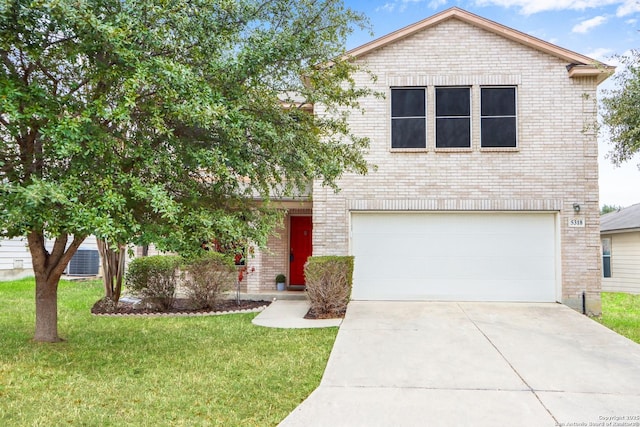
[
  {"x": 7, "y": 62},
  {"x": 39, "y": 255},
  {"x": 58, "y": 250},
  {"x": 62, "y": 40},
  {"x": 49, "y": 76},
  {"x": 82, "y": 84},
  {"x": 58, "y": 268},
  {"x": 4, "y": 122}
]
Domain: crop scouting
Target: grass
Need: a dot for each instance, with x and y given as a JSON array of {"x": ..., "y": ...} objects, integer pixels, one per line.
[
  {"x": 218, "y": 370},
  {"x": 621, "y": 313}
]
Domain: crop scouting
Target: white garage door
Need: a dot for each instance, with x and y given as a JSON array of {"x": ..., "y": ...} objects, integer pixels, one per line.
[{"x": 454, "y": 256}]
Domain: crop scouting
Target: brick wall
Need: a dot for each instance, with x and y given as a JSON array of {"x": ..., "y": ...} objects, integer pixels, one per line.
[
  {"x": 554, "y": 166},
  {"x": 267, "y": 263}
]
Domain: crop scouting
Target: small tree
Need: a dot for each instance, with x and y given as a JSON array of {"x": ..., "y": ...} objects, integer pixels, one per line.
[
  {"x": 621, "y": 110},
  {"x": 609, "y": 208},
  {"x": 113, "y": 265}
]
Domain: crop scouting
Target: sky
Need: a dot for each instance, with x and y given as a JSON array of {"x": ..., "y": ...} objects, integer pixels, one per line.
[{"x": 600, "y": 29}]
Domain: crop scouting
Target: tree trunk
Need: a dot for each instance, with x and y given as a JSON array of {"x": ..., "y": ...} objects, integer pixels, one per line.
[
  {"x": 112, "y": 268},
  {"x": 48, "y": 268},
  {"x": 46, "y": 310}
]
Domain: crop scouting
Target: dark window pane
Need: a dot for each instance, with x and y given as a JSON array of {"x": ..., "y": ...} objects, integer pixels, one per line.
[
  {"x": 498, "y": 101},
  {"x": 407, "y": 103},
  {"x": 498, "y": 132},
  {"x": 408, "y": 133},
  {"x": 606, "y": 266},
  {"x": 453, "y": 133},
  {"x": 453, "y": 101}
]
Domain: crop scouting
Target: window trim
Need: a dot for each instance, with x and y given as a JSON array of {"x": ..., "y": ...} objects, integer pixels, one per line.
[
  {"x": 436, "y": 117},
  {"x": 392, "y": 118},
  {"x": 515, "y": 116}
]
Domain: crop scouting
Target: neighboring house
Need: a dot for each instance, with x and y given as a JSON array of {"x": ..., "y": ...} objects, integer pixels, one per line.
[
  {"x": 486, "y": 187},
  {"x": 15, "y": 259},
  {"x": 620, "y": 234}
]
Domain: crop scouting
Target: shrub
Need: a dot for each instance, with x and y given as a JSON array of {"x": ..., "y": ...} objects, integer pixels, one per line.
[
  {"x": 153, "y": 278},
  {"x": 207, "y": 276},
  {"x": 329, "y": 280}
]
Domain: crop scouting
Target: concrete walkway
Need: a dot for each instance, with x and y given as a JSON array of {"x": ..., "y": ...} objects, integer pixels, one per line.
[
  {"x": 474, "y": 364},
  {"x": 290, "y": 314}
]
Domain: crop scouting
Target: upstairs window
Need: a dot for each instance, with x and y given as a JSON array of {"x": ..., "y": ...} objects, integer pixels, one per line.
[
  {"x": 408, "y": 118},
  {"x": 453, "y": 117},
  {"x": 498, "y": 117}
]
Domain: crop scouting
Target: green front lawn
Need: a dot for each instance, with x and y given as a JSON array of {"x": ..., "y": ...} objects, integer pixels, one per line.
[
  {"x": 218, "y": 370},
  {"x": 179, "y": 371},
  {"x": 621, "y": 312}
]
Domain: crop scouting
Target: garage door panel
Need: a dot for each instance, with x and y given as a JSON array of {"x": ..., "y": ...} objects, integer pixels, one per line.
[
  {"x": 445, "y": 268},
  {"x": 419, "y": 244},
  {"x": 459, "y": 290},
  {"x": 483, "y": 268},
  {"x": 452, "y": 256}
]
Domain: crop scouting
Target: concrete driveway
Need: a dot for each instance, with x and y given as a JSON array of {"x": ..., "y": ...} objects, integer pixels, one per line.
[{"x": 474, "y": 364}]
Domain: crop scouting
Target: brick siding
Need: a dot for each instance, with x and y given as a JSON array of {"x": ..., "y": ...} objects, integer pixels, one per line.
[
  {"x": 554, "y": 166},
  {"x": 266, "y": 264}
]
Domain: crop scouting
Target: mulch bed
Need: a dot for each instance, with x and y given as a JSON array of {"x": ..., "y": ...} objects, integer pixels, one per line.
[
  {"x": 181, "y": 306},
  {"x": 312, "y": 314}
]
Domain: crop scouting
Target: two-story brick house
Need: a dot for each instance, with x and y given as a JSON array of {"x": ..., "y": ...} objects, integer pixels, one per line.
[{"x": 486, "y": 186}]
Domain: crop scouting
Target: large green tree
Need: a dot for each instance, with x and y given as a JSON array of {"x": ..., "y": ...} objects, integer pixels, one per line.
[
  {"x": 165, "y": 121},
  {"x": 621, "y": 110}
]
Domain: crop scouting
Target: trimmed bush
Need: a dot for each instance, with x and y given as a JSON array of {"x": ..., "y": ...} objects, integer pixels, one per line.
[
  {"x": 207, "y": 277},
  {"x": 329, "y": 280},
  {"x": 153, "y": 278}
]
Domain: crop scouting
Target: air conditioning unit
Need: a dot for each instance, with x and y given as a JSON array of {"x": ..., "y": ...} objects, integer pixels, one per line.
[{"x": 84, "y": 263}]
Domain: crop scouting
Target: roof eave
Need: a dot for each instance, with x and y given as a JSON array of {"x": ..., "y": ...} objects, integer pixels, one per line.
[
  {"x": 600, "y": 71},
  {"x": 573, "y": 58},
  {"x": 621, "y": 230}
]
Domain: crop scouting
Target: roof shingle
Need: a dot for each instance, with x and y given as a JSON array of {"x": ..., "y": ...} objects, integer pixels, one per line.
[{"x": 623, "y": 219}]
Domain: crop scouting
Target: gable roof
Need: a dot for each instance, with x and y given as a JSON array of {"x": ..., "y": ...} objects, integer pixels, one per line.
[
  {"x": 578, "y": 65},
  {"x": 627, "y": 219}
]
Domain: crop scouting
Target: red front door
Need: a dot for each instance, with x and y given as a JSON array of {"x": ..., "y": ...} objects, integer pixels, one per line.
[{"x": 300, "y": 248}]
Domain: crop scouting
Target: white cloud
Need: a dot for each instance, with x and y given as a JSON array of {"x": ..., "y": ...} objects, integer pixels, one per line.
[
  {"x": 631, "y": 21},
  {"x": 529, "y": 7},
  {"x": 601, "y": 54},
  {"x": 401, "y": 5},
  {"x": 405, "y": 3},
  {"x": 387, "y": 7},
  {"x": 589, "y": 24},
  {"x": 628, "y": 7},
  {"x": 434, "y": 4}
]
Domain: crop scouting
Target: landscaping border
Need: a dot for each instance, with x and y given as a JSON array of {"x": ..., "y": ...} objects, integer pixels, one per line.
[{"x": 185, "y": 314}]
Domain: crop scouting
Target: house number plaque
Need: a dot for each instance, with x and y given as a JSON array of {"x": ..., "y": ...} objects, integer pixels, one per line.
[{"x": 576, "y": 222}]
